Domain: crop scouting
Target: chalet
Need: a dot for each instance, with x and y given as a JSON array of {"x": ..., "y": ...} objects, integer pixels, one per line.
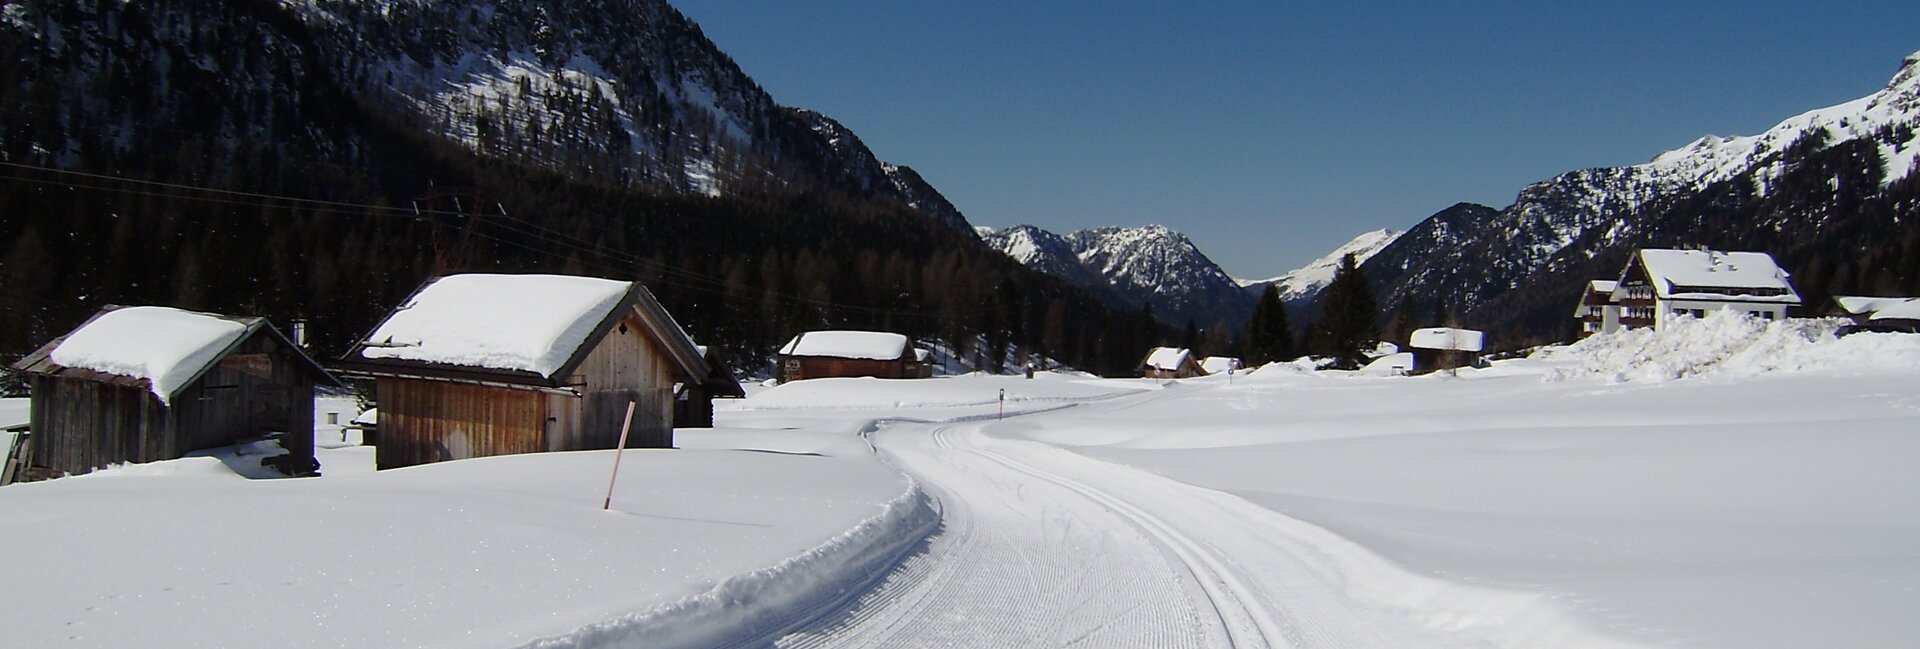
[
  {"x": 479, "y": 364},
  {"x": 825, "y": 354},
  {"x": 149, "y": 383},
  {"x": 1598, "y": 311},
  {"x": 1880, "y": 314},
  {"x": 694, "y": 406},
  {"x": 1445, "y": 348},
  {"x": 1220, "y": 364},
  {"x": 1659, "y": 285},
  {"x": 1170, "y": 363}
]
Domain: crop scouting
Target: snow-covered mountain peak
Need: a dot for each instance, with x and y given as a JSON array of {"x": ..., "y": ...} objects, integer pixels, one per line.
[
  {"x": 1151, "y": 264},
  {"x": 1307, "y": 280}
]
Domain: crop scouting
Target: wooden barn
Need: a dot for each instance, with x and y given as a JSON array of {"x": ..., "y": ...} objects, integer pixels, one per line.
[
  {"x": 823, "y": 354},
  {"x": 479, "y": 364},
  {"x": 1879, "y": 314},
  {"x": 148, "y": 383},
  {"x": 1170, "y": 363},
  {"x": 694, "y": 408},
  {"x": 1445, "y": 348}
]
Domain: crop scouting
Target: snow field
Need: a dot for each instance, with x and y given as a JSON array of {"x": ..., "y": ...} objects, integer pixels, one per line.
[{"x": 487, "y": 552}]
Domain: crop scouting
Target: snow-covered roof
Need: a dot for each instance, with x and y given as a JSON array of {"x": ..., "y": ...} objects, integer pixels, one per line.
[
  {"x": 1168, "y": 358},
  {"x": 1881, "y": 308},
  {"x": 1715, "y": 275},
  {"x": 868, "y": 345},
  {"x": 532, "y": 323},
  {"x": 1602, "y": 286},
  {"x": 1219, "y": 364},
  {"x": 1466, "y": 340},
  {"x": 165, "y": 346}
]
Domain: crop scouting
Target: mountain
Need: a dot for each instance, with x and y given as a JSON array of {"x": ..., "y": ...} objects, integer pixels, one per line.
[
  {"x": 1830, "y": 193},
  {"x": 1133, "y": 267},
  {"x": 1304, "y": 283},
  {"x": 318, "y": 159}
]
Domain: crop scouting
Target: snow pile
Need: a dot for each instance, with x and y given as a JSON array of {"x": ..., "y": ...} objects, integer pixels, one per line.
[
  {"x": 766, "y": 603},
  {"x": 1725, "y": 343},
  {"x": 508, "y": 322},
  {"x": 165, "y": 346},
  {"x": 871, "y": 345}
]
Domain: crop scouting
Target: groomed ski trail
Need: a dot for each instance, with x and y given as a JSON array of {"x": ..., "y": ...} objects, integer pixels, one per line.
[{"x": 1042, "y": 547}]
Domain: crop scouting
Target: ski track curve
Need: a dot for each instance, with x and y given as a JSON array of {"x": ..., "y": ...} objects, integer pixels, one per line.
[{"x": 1043, "y": 547}]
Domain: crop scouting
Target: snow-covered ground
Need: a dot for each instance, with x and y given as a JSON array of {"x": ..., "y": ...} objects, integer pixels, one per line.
[
  {"x": 702, "y": 543},
  {"x": 1728, "y": 483}
]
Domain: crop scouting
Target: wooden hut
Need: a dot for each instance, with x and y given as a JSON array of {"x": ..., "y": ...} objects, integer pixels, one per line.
[
  {"x": 823, "y": 354},
  {"x": 1879, "y": 314},
  {"x": 694, "y": 408},
  {"x": 480, "y": 364},
  {"x": 148, "y": 383},
  {"x": 1170, "y": 363},
  {"x": 1445, "y": 348}
]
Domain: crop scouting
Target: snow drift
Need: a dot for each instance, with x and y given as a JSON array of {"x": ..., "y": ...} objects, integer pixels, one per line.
[{"x": 1726, "y": 343}]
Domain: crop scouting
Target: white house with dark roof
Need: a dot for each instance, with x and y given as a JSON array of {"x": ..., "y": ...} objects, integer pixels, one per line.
[{"x": 1659, "y": 285}]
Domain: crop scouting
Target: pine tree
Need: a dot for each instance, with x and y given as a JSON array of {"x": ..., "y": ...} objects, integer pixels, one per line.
[
  {"x": 1269, "y": 337},
  {"x": 1350, "y": 325}
]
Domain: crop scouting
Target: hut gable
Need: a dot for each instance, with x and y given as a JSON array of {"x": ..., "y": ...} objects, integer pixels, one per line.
[
  {"x": 486, "y": 364},
  {"x": 143, "y": 384}
]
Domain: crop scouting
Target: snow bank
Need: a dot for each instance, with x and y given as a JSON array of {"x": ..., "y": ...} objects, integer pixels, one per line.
[
  {"x": 763, "y": 604},
  {"x": 1726, "y": 343},
  {"x": 508, "y": 322},
  {"x": 165, "y": 346}
]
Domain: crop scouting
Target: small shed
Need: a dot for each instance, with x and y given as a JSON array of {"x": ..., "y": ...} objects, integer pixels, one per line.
[
  {"x": 1445, "y": 348},
  {"x": 694, "y": 407},
  {"x": 1220, "y": 364},
  {"x": 1880, "y": 314},
  {"x": 824, "y": 354},
  {"x": 150, "y": 383},
  {"x": 1170, "y": 363},
  {"x": 476, "y": 365}
]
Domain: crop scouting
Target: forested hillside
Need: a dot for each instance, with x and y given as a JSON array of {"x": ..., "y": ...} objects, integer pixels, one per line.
[{"x": 214, "y": 156}]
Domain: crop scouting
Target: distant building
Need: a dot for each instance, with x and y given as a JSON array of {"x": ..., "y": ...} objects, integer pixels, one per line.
[
  {"x": 1170, "y": 363},
  {"x": 1880, "y": 314},
  {"x": 1445, "y": 348},
  {"x": 828, "y": 354},
  {"x": 478, "y": 365},
  {"x": 1220, "y": 364},
  {"x": 1658, "y": 285},
  {"x": 150, "y": 383},
  {"x": 1597, "y": 311}
]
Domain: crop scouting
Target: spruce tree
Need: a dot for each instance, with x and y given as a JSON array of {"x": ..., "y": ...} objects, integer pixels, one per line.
[
  {"x": 1269, "y": 337},
  {"x": 1349, "y": 325}
]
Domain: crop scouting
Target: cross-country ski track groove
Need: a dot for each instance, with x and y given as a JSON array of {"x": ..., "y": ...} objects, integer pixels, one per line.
[{"x": 1039, "y": 546}]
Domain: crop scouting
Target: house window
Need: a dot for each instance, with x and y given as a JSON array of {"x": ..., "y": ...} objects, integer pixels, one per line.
[{"x": 333, "y": 418}]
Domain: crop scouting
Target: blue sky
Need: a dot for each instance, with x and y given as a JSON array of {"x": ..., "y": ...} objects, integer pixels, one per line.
[{"x": 1271, "y": 132}]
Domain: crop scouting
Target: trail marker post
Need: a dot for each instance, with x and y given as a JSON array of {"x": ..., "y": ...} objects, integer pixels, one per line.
[
  {"x": 1003, "y": 405},
  {"x": 617, "y": 452}
]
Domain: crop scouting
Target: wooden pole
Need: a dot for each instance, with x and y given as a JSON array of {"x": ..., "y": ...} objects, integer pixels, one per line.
[{"x": 617, "y": 452}]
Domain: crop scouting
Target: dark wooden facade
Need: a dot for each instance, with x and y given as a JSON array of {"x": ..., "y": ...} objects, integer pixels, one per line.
[
  {"x": 694, "y": 407},
  {"x": 795, "y": 368},
  {"x": 432, "y": 413},
  {"x": 84, "y": 420}
]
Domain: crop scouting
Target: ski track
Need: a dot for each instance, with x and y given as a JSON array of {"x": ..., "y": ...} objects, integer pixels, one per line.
[{"x": 1042, "y": 547}]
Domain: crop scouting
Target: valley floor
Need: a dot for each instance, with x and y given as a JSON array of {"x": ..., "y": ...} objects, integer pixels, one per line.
[{"x": 1533, "y": 504}]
